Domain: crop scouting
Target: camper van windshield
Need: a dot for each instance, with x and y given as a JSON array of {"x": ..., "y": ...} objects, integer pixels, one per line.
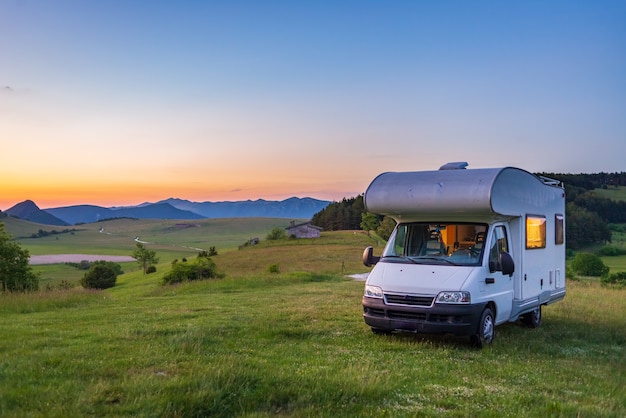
[{"x": 437, "y": 243}]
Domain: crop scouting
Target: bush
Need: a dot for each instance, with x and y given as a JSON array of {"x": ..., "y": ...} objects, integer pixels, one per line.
[
  {"x": 151, "y": 269},
  {"x": 586, "y": 264},
  {"x": 113, "y": 266},
  {"x": 615, "y": 279},
  {"x": 273, "y": 268},
  {"x": 569, "y": 273},
  {"x": 277, "y": 234},
  {"x": 199, "y": 269},
  {"x": 100, "y": 276},
  {"x": 63, "y": 285}
]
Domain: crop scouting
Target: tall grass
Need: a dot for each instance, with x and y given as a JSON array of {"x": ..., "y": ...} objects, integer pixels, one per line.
[{"x": 296, "y": 345}]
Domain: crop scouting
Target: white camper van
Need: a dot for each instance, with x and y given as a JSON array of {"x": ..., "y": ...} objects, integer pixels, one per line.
[{"x": 472, "y": 249}]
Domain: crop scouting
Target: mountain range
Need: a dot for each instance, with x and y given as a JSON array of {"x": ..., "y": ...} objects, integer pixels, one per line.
[{"x": 299, "y": 208}]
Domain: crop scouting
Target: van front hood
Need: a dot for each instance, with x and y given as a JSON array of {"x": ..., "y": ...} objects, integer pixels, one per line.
[{"x": 418, "y": 278}]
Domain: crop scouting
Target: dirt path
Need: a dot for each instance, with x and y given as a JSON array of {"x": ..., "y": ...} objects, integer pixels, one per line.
[{"x": 76, "y": 258}]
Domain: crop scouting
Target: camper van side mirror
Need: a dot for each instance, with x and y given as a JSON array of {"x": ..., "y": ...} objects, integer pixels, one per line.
[
  {"x": 368, "y": 257},
  {"x": 506, "y": 263}
]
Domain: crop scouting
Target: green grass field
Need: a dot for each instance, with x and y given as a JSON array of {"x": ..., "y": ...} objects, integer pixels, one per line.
[
  {"x": 257, "y": 344},
  {"x": 615, "y": 193}
]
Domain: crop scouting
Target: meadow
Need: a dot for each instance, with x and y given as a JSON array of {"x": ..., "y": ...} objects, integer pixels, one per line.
[{"x": 292, "y": 343}]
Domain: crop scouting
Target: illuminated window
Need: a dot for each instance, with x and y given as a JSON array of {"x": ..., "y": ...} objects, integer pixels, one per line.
[
  {"x": 535, "y": 232},
  {"x": 559, "y": 229}
]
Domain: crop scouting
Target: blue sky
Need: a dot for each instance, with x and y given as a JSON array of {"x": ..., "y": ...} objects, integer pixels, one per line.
[{"x": 120, "y": 102}]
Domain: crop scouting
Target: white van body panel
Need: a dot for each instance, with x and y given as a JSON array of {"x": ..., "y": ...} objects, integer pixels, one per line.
[
  {"x": 419, "y": 279},
  {"x": 484, "y": 193}
]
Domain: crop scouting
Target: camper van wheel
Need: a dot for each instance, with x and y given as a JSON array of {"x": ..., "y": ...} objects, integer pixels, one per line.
[
  {"x": 486, "y": 330},
  {"x": 379, "y": 331},
  {"x": 532, "y": 319}
]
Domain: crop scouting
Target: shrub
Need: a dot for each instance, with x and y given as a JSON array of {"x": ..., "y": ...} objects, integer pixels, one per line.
[
  {"x": 100, "y": 276},
  {"x": 273, "y": 268},
  {"x": 83, "y": 265},
  {"x": 615, "y": 279},
  {"x": 114, "y": 266},
  {"x": 276, "y": 234},
  {"x": 586, "y": 264},
  {"x": 569, "y": 273},
  {"x": 199, "y": 269},
  {"x": 151, "y": 269}
]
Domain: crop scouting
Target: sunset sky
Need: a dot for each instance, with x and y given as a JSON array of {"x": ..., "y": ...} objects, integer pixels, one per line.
[{"x": 121, "y": 102}]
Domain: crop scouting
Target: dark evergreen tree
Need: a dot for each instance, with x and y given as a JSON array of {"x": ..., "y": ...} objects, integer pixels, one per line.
[{"x": 344, "y": 215}]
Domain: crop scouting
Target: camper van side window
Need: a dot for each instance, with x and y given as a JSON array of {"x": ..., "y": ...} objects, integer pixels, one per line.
[
  {"x": 535, "y": 232},
  {"x": 559, "y": 229},
  {"x": 499, "y": 244}
]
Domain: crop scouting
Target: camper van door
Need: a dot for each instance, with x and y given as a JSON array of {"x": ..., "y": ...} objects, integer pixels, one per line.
[{"x": 498, "y": 286}]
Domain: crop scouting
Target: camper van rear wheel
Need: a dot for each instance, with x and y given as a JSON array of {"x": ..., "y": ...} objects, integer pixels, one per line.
[
  {"x": 532, "y": 319},
  {"x": 486, "y": 330}
]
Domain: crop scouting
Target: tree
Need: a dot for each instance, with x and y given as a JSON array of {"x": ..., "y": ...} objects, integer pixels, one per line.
[
  {"x": 145, "y": 257},
  {"x": 344, "y": 215},
  {"x": 100, "y": 276},
  {"x": 369, "y": 222},
  {"x": 386, "y": 227},
  {"x": 585, "y": 227},
  {"x": 16, "y": 275}
]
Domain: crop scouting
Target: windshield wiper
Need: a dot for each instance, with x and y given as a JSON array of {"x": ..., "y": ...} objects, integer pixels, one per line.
[
  {"x": 443, "y": 260},
  {"x": 400, "y": 257}
]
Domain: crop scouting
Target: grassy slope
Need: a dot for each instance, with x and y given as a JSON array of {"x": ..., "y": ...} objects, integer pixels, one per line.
[
  {"x": 614, "y": 193},
  {"x": 171, "y": 239},
  {"x": 293, "y": 344}
]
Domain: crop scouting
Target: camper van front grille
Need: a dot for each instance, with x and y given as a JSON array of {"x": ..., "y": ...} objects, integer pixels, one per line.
[{"x": 408, "y": 300}]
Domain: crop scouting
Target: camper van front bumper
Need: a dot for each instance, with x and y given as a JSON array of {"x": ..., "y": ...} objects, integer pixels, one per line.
[{"x": 459, "y": 320}]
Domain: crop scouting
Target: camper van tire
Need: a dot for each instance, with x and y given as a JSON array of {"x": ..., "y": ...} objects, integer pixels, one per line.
[
  {"x": 486, "y": 330},
  {"x": 532, "y": 319}
]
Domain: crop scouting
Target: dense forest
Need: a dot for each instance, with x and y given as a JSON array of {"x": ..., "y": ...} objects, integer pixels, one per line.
[
  {"x": 589, "y": 216},
  {"x": 344, "y": 215}
]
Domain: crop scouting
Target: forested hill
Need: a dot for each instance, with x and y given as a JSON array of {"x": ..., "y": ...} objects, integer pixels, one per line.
[
  {"x": 590, "y": 215},
  {"x": 589, "y": 181}
]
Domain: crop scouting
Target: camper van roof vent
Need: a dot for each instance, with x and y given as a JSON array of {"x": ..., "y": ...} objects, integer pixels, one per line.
[
  {"x": 459, "y": 165},
  {"x": 551, "y": 182}
]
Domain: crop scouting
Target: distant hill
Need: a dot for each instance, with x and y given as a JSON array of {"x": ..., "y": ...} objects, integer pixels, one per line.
[
  {"x": 29, "y": 211},
  {"x": 82, "y": 214},
  {"x": 302, "y": 208},
  {"x": 88, "y": 213},
  {"x": 297, "y": 208}
]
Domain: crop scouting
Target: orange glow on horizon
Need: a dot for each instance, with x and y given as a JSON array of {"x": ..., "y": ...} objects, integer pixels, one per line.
[{"x": 48, "y": 196}]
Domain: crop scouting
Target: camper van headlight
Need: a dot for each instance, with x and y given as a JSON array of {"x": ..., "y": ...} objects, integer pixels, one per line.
[
  {"x": 373, "y": 292},
  {"x": 454, "y": 297}
]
